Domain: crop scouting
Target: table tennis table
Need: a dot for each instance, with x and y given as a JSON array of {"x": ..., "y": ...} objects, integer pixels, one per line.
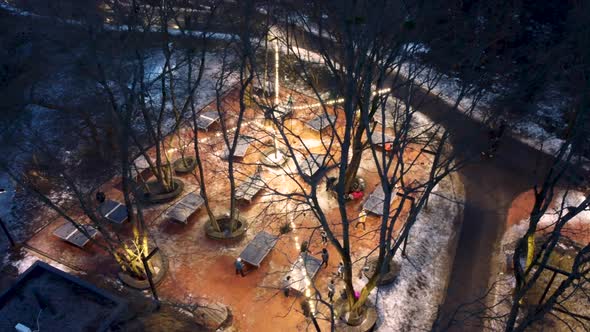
[
  {"x": 321, "y": 122},
  {"x": 185, "y": 207},
  {"x": 305, "y": 267},
  {"x": 258, "y": 248},
  {"x": 71, "y": 234},
  {"x": 380, "y": 138},
  {"x": 312, "y": 163},
  {"x": 376, "y": 200},
  {"x": 250, "y": 188},
  {"x": 242, "y": 146},
  {"x": 113, "y": 211},
  {"x": 206, "y": 118}
]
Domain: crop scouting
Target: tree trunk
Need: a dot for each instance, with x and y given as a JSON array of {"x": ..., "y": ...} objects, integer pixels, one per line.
[
  {"x": 203, "y": 190},
  {"x": 232, "y": 199},
  {"x": 355, "y": 162}
]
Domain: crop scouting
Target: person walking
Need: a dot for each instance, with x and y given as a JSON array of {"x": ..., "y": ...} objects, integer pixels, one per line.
[
  {"x": 324, "y": 236},
  {"x": 340, "y": 270},
  {"x": 331, "y": 290},
  {"x": 304, "y": 247},
  {"x": 330, "y": 181},
  {"x": 325, "y": 257},
  {"x": 240, "y": 267},
  {"x": 100, "y": 197},
  {"x": 361, "y": 220},
  {"x": 286, "y": 285}
]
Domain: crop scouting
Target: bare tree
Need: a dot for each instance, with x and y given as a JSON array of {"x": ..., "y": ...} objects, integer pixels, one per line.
[{"x": 365, "y": 60}]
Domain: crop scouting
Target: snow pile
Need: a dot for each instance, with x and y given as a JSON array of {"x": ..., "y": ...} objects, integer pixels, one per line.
[{"x": 411, "y": 303}]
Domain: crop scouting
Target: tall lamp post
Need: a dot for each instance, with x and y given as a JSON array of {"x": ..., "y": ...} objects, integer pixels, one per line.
[{"x": 4, "y": 228}]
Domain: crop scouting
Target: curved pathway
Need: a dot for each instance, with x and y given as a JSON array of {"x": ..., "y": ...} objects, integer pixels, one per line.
[{"x": 490, "y": 186}]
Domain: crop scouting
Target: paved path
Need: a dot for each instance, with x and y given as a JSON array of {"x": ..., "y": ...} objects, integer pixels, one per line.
[{"x": 490, "y": 186}]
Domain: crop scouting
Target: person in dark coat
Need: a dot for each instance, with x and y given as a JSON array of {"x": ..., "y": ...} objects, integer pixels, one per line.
[
  {"x": 286, "y": 285},
  {"x": 331, "y": 290},
  {"x": 100, "y": 197},
  {"x": 239, "y": 267},
  {"x": 304, "y": 247},
  {"x": 325, "y": 257},
  {"x": 330, "y": 183}
]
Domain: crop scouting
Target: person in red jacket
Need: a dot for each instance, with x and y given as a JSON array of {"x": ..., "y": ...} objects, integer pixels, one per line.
[{"x": 356, "y": 195}]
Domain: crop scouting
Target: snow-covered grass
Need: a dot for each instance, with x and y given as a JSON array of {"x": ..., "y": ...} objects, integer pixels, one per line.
[
  {"x": 445, "y": 87},
  {"x": 411, "y": 303}
]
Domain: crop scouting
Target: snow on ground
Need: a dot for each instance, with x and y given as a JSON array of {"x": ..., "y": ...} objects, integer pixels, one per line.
[
  {"x": 504, "y": 283},
  {"x": 577, "y": 226},
  {"x": 306, "y": 24},
  {"x": 173, "y": 31},
  {"x": 205, "y": 94},
  {"x": 445, "y": 87},
  {"x": 411, "y": 303},
  {"x": 448, "y": 88},
  {"x": 526, "y": 130},
  {"x": 28, "y": 259}
]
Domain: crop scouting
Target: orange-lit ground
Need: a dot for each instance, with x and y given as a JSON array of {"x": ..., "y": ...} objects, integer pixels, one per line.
[
  {"x": 203, "y": 268},
  {"x": 520, "y": 209}
]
